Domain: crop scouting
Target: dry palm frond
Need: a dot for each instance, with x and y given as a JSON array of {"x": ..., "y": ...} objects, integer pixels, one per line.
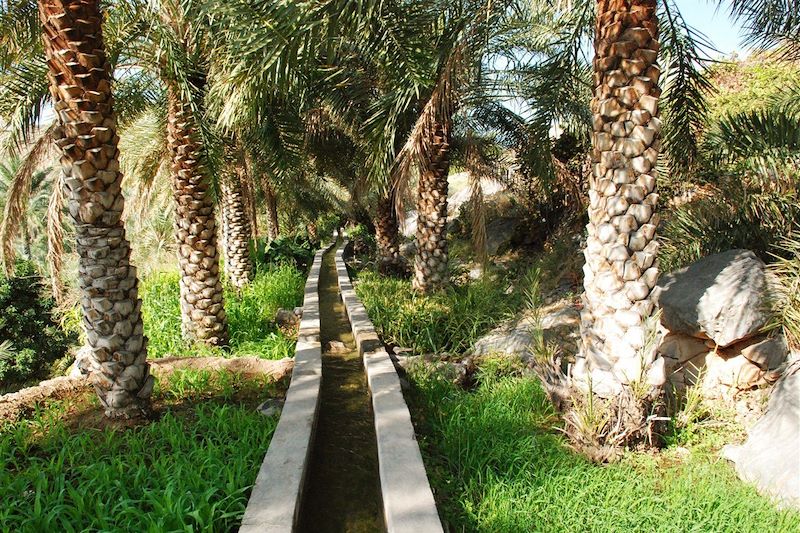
[
  {"x": 55, "y": 238},
  {"x": 474, "y": 169},
  {"x": 19, "y": 193}
]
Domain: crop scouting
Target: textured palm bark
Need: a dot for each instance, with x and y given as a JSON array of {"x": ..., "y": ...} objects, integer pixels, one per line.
[
  {"x": 202, "y": 311},
  {"x": 430, "y": 262},
  {"x": 621, "y": 269},
  {"x": 79, "y": 76},
  {"x": 387, "y": 235},
  {"x": 236, "y": 232},
  {"x": 273, "y": 227}
]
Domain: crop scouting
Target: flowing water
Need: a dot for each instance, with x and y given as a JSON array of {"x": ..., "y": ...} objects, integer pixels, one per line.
[{"x": 342, "y": 492}]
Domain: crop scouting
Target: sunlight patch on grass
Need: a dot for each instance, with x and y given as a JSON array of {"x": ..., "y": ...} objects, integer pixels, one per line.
[
  {"x": 190, "y": 470},
  {"x": 498, "y": 464},
  {"x": 250, "y": 315}
]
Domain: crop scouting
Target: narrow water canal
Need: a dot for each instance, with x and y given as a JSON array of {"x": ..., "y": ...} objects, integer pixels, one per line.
[{"x": 342, "y": 492}]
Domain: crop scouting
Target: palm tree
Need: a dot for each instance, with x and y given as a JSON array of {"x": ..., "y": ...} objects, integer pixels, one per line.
[
  {"x": 79, "y": 76},
  {"x": 387, "y": 235},
  {"x": 236, "y": 227},
  {"x": 202, "y": 311},
  {"x": 621, "y": 269}
]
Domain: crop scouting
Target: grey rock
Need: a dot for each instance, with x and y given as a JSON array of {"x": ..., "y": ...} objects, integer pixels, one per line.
[
  {"x": 337, "y": 347},
  {"x": 768, "y": 354},
  {"x": 770, "y": 458},
  {"x": 720, "y": 297},
  {"x": 271, "y": 407},
  {"x": 499, "y": 233},
  {"x": 286, "y": 318},
  {"x": 560, "y": 323}
]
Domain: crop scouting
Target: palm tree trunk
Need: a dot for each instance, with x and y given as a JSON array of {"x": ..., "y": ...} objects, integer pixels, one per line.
[
  {"x": 79, "y": 76},
  {"x": 273, "y": 227},
  {"x": 202, "y": 310},
  {"x": 430, "y": 263},
  {"x": 236, "y": 232},
  {"x": 387, "y": 233},
  {"x": 621, "y": 269}
]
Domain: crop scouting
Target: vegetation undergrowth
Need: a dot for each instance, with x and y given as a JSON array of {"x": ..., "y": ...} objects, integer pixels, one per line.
[
  {"x": 191, "y": 469},
  {"x": 30, "y": 337},
  {"x": 498, "y": 463},
  {"x": 450, "y": 321},
  {"x": 250, "y": 311}
]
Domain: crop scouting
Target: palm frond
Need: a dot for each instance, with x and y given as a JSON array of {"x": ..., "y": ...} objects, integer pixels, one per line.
[
  {"x": 19, "y": 194},
  {"x": 55, "y": 238},
  {"x": 684, "y": 58}
]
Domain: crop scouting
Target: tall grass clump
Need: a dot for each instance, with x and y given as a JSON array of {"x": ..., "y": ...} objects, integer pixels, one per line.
[
  {"x": 498, "y": 464},
  {"x": 190, "y": 470},
  {"x": 250, "y": 314},
  {"x": 450, "y": 321}
]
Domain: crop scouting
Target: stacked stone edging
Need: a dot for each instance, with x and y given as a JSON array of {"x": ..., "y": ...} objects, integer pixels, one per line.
[
  {"x": 408, "y": 503},
  {"x": 275, "y": 500}
]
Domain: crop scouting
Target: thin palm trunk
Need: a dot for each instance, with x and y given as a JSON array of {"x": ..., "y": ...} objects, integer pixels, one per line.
[
  {"x": 387, "y": 235},
  {"x": 202, "y": 311},
  {"x": 621, "y": 269},
  {"x": 273, "y": 227},
  {"x": 430, "y": 263},
  {"x": 79, "y": 76},
  {"x": 236, "y": 231}
]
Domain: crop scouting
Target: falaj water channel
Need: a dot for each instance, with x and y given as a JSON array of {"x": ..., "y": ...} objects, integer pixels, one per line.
[{"x": 342, "y": 491}]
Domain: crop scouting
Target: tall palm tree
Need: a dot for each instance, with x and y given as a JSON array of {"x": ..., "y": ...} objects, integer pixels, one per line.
[
  {"x": 79, "y": 76},
  {"x": 621, "y": 269},
  {"x": 202, "y": 311}
]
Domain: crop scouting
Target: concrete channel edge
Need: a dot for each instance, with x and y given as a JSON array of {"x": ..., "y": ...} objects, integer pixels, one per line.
[
  {"x": 275, "y": 499},
  {"x": 408, "y": 502}
]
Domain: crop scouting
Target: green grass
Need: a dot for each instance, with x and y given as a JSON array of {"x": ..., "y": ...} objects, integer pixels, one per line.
[
  {"x": 497, "y": 464},
  {"x": 191, "y": 470},
  {"x": 450, "y": 321},
  {"x": 250, "y": 315}
]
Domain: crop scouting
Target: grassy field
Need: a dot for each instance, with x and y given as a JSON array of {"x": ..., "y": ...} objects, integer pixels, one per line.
[
  {"x": 190, "y": 469},
  {"x": 446, "y": 322},
  {"x": 250, "y": 315},
  {"x": 498, "y": 464}
]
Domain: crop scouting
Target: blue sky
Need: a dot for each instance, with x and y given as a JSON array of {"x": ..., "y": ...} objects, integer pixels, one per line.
[{"x": 714, "y": 23}]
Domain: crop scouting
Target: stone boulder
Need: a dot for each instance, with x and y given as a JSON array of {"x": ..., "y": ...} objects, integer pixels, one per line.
[
  {"x": 499, "y": 234},
  {"x": 770, "y": 458},
  {"x": 288, "y": 318},
  {"x": 559, "y": 321},
  {"x": 720, "y": 297}
]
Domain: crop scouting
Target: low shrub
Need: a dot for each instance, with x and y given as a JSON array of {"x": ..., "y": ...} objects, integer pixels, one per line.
[
  {"x": 30, "y": 337},
  {"x": 362, "y": 240},
  {"x": 450, "y": 321},
  {"x": 297, "y": 251},
  {"x": 498, "y": 464},
  {"x": 189, "y": 470},
  {"x": 250, "y": 314}
]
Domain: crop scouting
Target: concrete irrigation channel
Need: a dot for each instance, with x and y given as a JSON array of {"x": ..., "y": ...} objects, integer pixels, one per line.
[{"x": 344, "y": 457}]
